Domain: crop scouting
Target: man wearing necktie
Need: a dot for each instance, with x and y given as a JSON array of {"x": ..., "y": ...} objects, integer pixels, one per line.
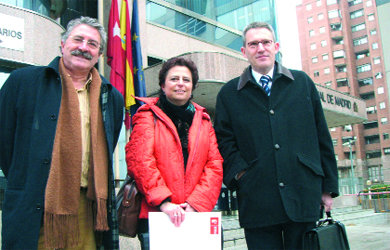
[{"x": 277, "y": 150}]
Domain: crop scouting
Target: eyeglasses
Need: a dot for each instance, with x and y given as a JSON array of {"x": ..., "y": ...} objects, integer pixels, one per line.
[
  {"x": 265, "y": 43},
  {"x": 90, "y": 43}
]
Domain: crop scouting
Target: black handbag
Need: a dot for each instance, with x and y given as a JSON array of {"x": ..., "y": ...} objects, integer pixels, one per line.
[
  {"x": 128, "y": 206},
  {"x": 328, "y": 234}
]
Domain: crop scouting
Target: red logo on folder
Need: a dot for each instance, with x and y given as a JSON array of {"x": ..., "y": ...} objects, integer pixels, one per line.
[{"x": 214, "y": 225}]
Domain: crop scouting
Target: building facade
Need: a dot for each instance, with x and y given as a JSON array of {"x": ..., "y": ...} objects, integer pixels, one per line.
[
  {"x": 209, "y": 32},
  {"x": 342, "y": 48}
]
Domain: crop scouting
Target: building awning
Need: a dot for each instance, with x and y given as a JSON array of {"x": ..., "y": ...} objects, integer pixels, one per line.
[{"x": 215, "y": 69}]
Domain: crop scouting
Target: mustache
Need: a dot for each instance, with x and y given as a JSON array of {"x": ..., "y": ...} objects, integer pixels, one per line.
[{"x": 84, "y": 54}]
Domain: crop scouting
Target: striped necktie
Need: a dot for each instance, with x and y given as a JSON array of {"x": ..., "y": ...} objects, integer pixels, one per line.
[{"x": 264, "y": 80}]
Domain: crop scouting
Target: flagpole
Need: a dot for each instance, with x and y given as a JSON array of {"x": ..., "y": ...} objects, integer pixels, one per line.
[{"x": 101, "y": 21}]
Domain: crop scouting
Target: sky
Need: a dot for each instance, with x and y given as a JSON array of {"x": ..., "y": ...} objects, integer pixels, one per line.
[{"x": 288, "y": 33}]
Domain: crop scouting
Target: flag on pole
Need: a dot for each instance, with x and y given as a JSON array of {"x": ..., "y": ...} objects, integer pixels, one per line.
[
  {"x": 115, "y": 53},
  {"x": 139, "y": 78},
  {"x": 125, "y": 59}
]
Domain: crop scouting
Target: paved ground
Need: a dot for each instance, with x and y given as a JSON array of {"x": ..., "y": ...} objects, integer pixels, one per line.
[
  {"x": 368, "y": 235},
  {"x": 361, "y": 237}
]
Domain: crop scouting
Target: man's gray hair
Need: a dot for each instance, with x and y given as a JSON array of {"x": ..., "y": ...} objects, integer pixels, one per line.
[
  {"x": 94, "y": 23},
  {"x": 258, "y": 25}
]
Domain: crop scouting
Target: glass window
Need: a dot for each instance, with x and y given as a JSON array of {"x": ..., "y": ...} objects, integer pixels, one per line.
[
  {"x": 378, "y": 75},
  {"x": 312, "y": 32},
  {"x": 384, "y": 120},
  {"x": 334, "y": 141},
  {"x": 362, "y": 54},
  {"x": 371, "y": 17},
  {"x": 313, "y": 46},
  {"x": 386, "y": 136},
  {"x": 316, "y": 73},
  {"x": 371, "y": 139},
  {"x": 363, "y": 68},
  {"x": 328, "y": 84},
  {"x": 368, "y": 96},
  {"x": 314, "y": 59},
  {"x": 318, "y": 2},
  {"x": 369, "y": 3},
  {"x": 320, "y": 16},
  {"x": 375, "y": 173},
  {"x": 354, "y": 2},
  {"x": 342, "y": 82},
  {"x": 322, "y": 30},
  {"x": 373, "y": 154},
  {"x": 324, "y": 43},
  {"x": 381, "y": 90},
  {"x": 333, "y": 14},
  {"x": 360, "y": 40},
  {"x": 310, "y": 20},
  {"x": 207, "y": 31},
  {"x": 335, "y": 26},
  {"x": 341, "y": 68},
  {"x": 330, "y": 2},
  {"x": 382, "y": 105},
  {"x": 358, "y": 27},
  {"x": 325, "y": 57},
  {"x": 338, "y": 54},
  {"x": 375, "y": 46},
  {"x": 377, "y": 60},
  {"x": 326, "y": 71},
  {"x": 308, "y": 7},
  {"x": 370, "y": 124},
  {"x": 356, "y": 14},
  {"x": 371, "y": 110},
  {"x": 365, "y": 81},
  {"x": 373, "y": 32}
]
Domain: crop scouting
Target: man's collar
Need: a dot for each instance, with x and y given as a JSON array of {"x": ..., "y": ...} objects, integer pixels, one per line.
[
  {"x": 247, "y": 76},
  {"x": 256, "y": 75}
]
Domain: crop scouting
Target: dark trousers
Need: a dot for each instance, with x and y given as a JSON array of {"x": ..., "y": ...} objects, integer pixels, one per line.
[{"x": 286, "y": 236}]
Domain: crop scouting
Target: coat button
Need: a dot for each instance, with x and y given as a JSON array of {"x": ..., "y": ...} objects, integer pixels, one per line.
[
  {"x": 277, "y": 146},
  {"x": 46, "y": 161},
  {"x": 272, "y": 112},
  {"x": 39, "y": 206},
  {"x": 281, "y": 184},
  {"x": 53, "y": 117}
]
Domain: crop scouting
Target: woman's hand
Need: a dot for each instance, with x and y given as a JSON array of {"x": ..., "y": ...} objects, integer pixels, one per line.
[
  {"x": 174, "y": 211},
  {"x": 187, "y": 207}
]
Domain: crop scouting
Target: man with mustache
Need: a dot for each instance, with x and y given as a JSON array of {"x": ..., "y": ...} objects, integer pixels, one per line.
[
  {"x": 59, "y": 126},
  {"x": 277, "y": 150}
]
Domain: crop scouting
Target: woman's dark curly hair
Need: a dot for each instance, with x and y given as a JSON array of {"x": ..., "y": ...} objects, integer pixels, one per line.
[{"x": 178, "y": 61}]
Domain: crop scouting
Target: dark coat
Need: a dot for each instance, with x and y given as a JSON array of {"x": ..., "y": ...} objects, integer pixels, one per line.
[
  {"x": 29, "y": 106},
  {"x": 283, "y": 143}
]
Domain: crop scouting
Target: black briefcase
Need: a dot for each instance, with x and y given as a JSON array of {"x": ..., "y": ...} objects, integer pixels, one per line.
[{"x": 328, "y": 234}]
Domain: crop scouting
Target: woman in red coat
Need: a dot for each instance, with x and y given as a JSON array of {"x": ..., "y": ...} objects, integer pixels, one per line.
[{"x": 172, "y": 153}]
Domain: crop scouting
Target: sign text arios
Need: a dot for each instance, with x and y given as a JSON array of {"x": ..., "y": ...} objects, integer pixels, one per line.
[
  {"x": 335, "y": 100},
  {"x": 11, "y": 32}
]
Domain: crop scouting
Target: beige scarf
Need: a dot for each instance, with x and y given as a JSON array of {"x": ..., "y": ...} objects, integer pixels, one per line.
[{"x": 61, "y": 228}]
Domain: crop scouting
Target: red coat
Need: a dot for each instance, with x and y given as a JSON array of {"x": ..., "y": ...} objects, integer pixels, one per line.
[{"x": 154, "y": 158}]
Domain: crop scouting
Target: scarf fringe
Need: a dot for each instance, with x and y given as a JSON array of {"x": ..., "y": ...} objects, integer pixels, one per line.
[
  {"x": 101, "y": 223},
  {"x": 61, "y": 231}
]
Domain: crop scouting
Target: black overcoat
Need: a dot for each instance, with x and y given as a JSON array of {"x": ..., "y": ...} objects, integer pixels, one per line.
[
  {"x": 283, "y": 143},
  {"x": 29, "y": 105}
]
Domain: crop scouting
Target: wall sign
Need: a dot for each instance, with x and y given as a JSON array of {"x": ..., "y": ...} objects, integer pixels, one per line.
[{"x": 11, "y": 32}]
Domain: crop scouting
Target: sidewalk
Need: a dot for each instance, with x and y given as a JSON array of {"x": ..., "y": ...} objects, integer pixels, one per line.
[{"x": 374, "y": 235}]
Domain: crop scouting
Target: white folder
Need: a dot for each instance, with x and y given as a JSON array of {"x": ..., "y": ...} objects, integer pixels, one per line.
[{"x": 199, "y": 231}]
